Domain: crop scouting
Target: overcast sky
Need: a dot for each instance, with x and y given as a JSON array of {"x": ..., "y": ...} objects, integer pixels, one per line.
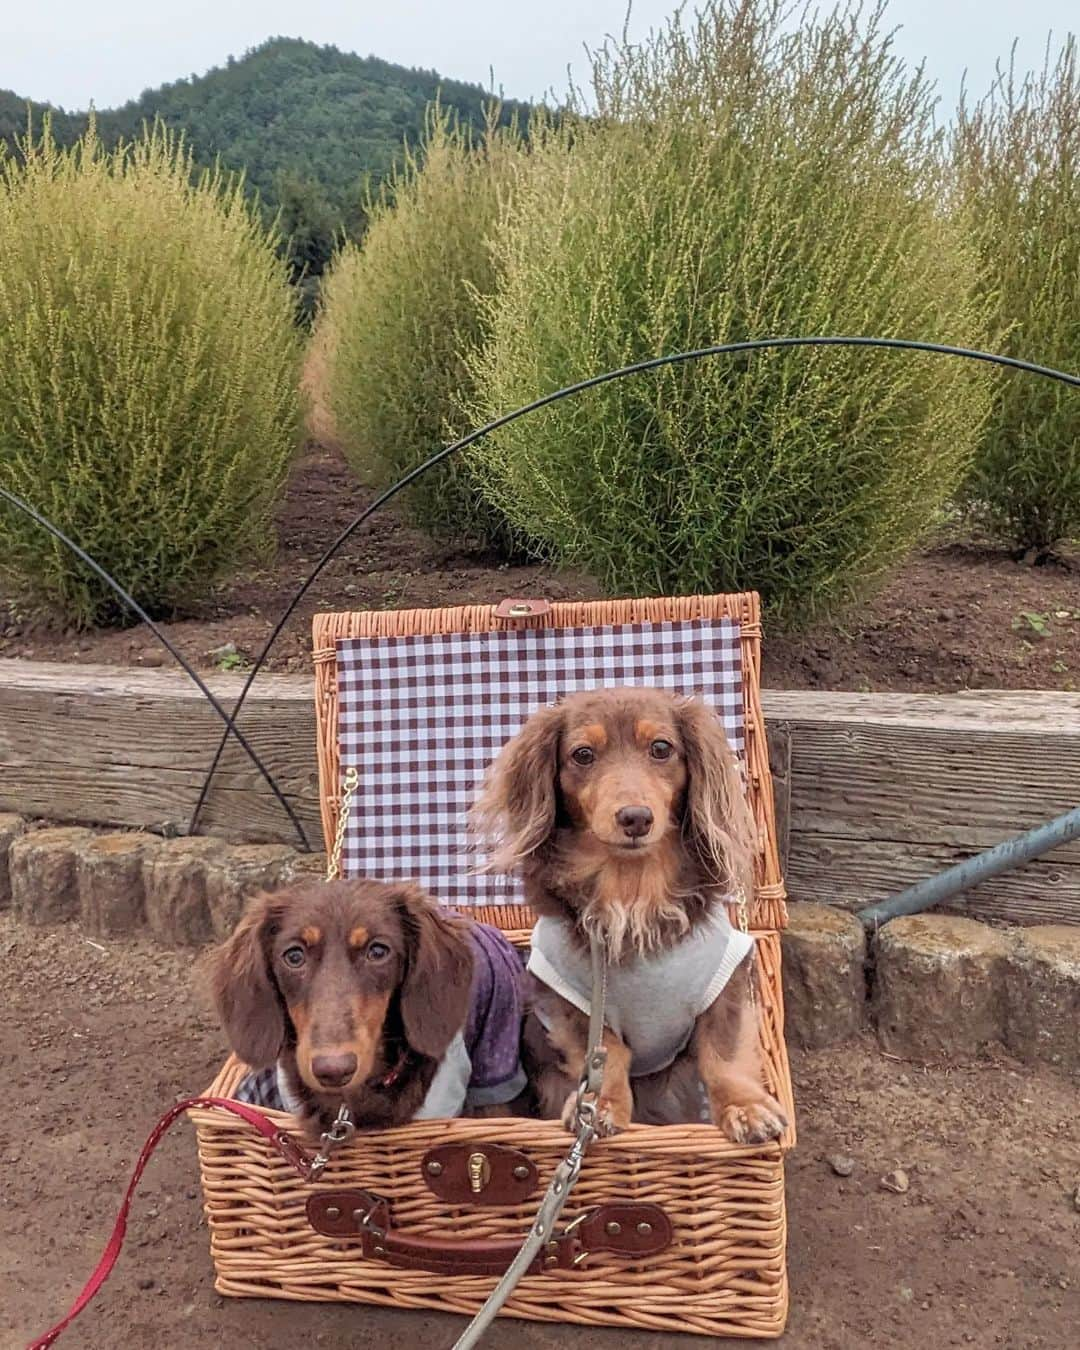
[{"x": 72, "y": 52}]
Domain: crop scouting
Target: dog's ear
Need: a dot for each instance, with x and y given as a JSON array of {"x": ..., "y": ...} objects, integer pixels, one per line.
[
  {"x": 516, "y": 810},
  {"x": 247, "y": 1000},
  {"x": 717, "y": 821},
  {"x": 436, "y": 990}
]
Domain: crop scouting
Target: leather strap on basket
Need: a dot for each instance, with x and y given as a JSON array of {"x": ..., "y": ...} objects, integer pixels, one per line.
[
  {"x": 283, "y": 1144},
  {"x": 628, "y": 1229}
]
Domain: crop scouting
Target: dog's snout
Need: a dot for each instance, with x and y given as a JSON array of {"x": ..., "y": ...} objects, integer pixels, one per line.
[
  {"x": 634, "y": 821},
  {"x": 333, "y": 1070}
]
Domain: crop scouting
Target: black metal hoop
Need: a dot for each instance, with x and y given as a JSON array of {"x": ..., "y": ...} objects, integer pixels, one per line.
[
  {"x": 136, "y": 608},
  {"x": 654, "y": 363}
]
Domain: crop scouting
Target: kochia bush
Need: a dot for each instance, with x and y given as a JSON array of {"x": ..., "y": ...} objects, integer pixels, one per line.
[
  {"x": 399, "y": 310},
  {"x": 148, "y": 374},
  {"x": 1017, "y": 155},
  {"x": 733, "y": 180}
]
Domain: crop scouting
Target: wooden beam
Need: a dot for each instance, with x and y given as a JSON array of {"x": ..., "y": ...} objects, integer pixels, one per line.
[
  {"x": 779, "y": 738},
  {"x": 874, "y": 791},
  {"x": 887, "y": 789},
  {"x": 121, "y": 747},
  {"x": 856, "y": 872}
]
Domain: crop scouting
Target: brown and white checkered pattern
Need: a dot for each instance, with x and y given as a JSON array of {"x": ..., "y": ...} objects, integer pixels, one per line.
[{"x": 422, "y": 717}]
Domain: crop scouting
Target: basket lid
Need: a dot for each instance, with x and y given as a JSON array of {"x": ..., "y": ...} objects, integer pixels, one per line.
[{"x": 421, "y": 716}]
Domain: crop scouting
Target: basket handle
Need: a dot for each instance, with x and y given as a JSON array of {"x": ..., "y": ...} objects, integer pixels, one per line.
[{"x": 628, "y": 1229}]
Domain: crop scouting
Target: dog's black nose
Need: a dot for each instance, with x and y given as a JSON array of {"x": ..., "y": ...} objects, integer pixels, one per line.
[
  {"x": 333, "y": 1070},
  {"x": 635, "y": 820}
]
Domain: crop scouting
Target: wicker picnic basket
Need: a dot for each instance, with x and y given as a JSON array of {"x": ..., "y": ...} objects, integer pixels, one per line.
[{"x": 724, "y": 1272}]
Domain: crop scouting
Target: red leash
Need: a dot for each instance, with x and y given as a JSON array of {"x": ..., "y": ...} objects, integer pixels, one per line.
[{"x": 283, "y": 1143}]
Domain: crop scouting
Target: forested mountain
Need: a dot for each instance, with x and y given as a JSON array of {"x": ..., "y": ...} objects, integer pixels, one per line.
[{"x": 308, "y": 125}]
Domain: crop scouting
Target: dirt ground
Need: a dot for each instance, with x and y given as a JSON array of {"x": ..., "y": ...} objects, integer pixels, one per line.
[
  {"x": 99, "y": 1038},
  {"x": 955, "y": 616}
]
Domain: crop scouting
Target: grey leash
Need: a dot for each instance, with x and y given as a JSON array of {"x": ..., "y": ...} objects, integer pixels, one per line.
[{"x": 566, "y": 1174}]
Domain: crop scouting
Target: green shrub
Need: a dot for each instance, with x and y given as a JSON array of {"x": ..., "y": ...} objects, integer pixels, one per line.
[
  {"x": 1017, "y": 155},
  {"x": 148, "y": 373},
  {"x": 739, "y": 180},
  {"x": 398, "y": 310}
]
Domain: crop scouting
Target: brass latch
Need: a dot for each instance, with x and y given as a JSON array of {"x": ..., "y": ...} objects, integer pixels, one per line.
[
  {"x": 522, "y": 609},
  {"x": 479, "y": 1172}
]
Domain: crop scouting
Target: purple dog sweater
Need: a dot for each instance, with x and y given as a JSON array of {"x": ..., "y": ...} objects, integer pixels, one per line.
[{"x": 482, "y": 1064}]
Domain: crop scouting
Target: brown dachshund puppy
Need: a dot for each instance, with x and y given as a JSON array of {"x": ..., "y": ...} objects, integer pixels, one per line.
[
  {"x": 625, "y": 814},
  {"x": 366, "y": 994}
]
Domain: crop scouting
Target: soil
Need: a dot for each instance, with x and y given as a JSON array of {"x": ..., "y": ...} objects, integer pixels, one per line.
[
  {"x": 958, "y": 615},
  {"x": 99, "y": 1038}
]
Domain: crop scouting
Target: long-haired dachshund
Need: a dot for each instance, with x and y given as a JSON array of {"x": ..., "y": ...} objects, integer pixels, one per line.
[
  {"x": 367, "y": 994},
  {"x": 624, "y": 812}
]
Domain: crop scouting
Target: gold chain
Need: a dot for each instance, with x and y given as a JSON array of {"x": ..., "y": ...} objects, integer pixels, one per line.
[
  {"x": 743, "y": 915},
  {"x": 352, "y": 778},
  {"x": 742, "y": 910}
]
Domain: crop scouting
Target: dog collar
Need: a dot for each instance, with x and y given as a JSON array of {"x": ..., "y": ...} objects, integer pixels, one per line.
[{"x": 391, "y": 1076}]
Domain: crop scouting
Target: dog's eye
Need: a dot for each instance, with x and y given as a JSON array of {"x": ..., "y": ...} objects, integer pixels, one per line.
[
  {"x": 661, "y": 749},
  {"x": 583, "y": 755},
  {"x": 378, "y": 951},
  {"x": 294, "y": 957}
]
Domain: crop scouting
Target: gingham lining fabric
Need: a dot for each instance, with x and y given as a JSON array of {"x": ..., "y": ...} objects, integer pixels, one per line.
[{"x": 421, "y": 718}]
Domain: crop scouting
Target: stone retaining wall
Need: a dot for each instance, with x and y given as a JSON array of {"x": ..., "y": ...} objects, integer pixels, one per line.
[
  {"x": 933, "y": 986},
  {"x": 183, "y": 892}
]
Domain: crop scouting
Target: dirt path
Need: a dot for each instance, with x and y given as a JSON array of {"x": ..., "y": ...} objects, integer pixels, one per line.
[
  {"x": 956, "y": 616},
  {"x": 982, "y": 1250}
]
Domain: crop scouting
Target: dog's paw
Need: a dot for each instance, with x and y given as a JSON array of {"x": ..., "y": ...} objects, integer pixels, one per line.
[
  {"x": 753, "y": 1122},
  {"x": 611, "y": 1116}
]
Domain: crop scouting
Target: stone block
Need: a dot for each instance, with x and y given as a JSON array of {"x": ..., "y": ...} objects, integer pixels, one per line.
[
  {"x": 1043, "y": 996},
  {"x": 11, "y": 827},
  {"x": 824, "y": 951},
  {"x": 109, "y": 873},
  {"x": 174, "y": 875},
  {"x": 307, "y": 867},
  {"x": 240, "y": 872},
  {"x": 939, "y": 986},
  {"x": 41, "y": 863}
]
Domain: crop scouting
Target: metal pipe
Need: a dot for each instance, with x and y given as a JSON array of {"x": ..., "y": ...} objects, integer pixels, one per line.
[{"x": 1010, "y": 853}]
